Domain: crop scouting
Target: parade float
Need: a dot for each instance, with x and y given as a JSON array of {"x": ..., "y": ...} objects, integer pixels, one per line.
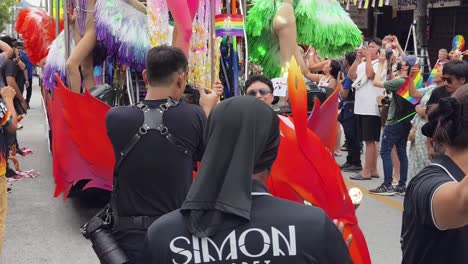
[{"x": 219, "y": 46}]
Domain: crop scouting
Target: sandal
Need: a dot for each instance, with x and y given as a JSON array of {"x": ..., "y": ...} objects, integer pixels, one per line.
[
  {"x": 375, "y": 176},
  {"x": 359, "y": 177}
]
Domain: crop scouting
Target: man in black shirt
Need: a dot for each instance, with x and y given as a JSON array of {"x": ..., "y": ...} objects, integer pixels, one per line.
[
  {"x": 154, "y": 177},
  {"x": 229, "y": 217},
  {"x": 455, "y": 74},
  {"x": 13, "y": 73}
]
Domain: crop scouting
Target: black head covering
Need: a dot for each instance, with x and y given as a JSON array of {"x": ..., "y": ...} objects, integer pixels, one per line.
[{"x": 242, "y": 138}]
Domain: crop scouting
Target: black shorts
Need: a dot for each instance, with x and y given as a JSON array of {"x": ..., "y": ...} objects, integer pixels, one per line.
[{"x": 369, "y": 127}]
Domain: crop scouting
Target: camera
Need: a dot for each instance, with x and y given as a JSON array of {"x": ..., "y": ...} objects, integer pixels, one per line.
[
  {"x": 191, "y": 95},
  {"x": 98, "y": 231},
  {"x": 386, "y": 101}
]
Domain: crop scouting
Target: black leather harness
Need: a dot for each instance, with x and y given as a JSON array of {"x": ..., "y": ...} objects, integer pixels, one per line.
[{"x": 153, "y": 120}]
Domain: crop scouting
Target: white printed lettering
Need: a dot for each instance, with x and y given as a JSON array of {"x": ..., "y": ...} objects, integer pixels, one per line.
[
  {"x": 231, "y": 238},
  {"x": 196, "y": 249},
  {"x": 266, "y": 243},
  {"x": 291, "y": 245},
  {"x": 181, "y": 251}
]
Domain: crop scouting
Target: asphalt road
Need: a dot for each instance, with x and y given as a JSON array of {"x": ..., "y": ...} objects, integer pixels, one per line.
[{"x": 43, "y": 229}]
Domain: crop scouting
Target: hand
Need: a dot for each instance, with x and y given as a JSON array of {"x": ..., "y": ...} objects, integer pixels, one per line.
[
  {"x": 218, "y": 87},
  {"x": 414, "y": 71},
  {"x": 365, "y": 53},
  {"x": 421, "y": 111},
  {"x": 341, "y": 78},
  {"x": 208, "y": 99},
  {"x": 395, "y": 41},
  {"x": 359, "y": 55},
  {"x": 8, "y": 93},
  {"x": 340, "y": 226},
  {"x": 26, "y": 84}
]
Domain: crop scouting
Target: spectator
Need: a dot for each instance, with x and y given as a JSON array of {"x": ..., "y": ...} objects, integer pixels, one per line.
[
  {"x": 229, "y": 200},
  {"x": 454, "y": 74},
  {"x": 260, "y": 87},
  {"x": 348, "y": 120},
  {"x": 366, "y": 108},
  {"x": 419, "y": 157},
  {"x": 442, "y": 57},
  {"x": 435, "y": 215},
  {"x": 329, "y": 77},
  {"x": 13, "y": 74},
  {"x": 8, "y": 125},
  {"x": 397, "y": 127},
  {"x": 29, "y": 66}
]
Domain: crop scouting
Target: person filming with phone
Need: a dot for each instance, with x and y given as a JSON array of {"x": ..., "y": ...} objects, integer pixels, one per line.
[{"x": 397, "y": 126}]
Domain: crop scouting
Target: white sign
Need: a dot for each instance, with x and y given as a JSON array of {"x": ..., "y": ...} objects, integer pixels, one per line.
[{"x": 280, "y": 86}]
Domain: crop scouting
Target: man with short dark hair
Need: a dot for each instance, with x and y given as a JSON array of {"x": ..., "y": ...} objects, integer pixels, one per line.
[
  {"x": 29, "y": 67},
  {"x": 348, "y": 120},
  {"x": 397, "y": 126},
  {"x": 156, "y": 145},
  {"x": 366, "y": 108},
  {"x": 455, "y": 75},
  {"x": 260, "y": 87}
]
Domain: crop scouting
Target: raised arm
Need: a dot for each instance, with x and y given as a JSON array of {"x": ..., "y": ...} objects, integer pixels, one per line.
[
  {"x": 352, "y": 73},
  {"x": 454, "y": 194},
  {"x": 7, "y": 50},
  {"x": 413, "y": 92},
  {"x": 378, "y": 82}
]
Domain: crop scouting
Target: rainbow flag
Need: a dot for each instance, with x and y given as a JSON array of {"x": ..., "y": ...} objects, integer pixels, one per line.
[
  {"x": 404, "y": 90},
  {"x": 229, "y": 25},
  {"x": 437, "y": 68}
]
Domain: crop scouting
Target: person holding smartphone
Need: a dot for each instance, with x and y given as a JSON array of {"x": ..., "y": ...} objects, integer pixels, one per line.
[{"x": 397, "y": 126}]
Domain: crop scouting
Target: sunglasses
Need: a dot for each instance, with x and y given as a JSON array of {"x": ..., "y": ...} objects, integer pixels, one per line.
[
  {"x": 449, "y": 80},
  {"x": 262, "y": 91}
]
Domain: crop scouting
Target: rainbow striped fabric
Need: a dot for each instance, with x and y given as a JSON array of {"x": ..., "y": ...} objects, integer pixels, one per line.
[
  {"x": 437, "y": 68},
  {"x": 404, "y": 90},
  {"x": 229, "y": 25}
]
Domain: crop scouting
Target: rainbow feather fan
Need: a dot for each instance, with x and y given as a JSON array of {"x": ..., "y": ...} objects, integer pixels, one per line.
[
  {"x": 458, "y": 43},
  {"x": 404, "y": 90},
  {"x": 55, "y": 62},
  {"x": 124, "y": 32},
  {"x": 36, "y": 20}
]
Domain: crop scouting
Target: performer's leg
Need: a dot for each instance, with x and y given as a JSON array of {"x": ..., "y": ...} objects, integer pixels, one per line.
[
  {"x": 80, "y": 54},
  {"x": 182, "y": 11}
]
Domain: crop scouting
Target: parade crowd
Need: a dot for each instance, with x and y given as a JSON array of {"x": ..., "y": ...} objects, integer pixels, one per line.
[{"x": 162, "y": 215}]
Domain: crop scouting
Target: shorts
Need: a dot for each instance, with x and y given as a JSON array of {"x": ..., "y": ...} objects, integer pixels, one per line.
[{"x": 369, "y": 127}]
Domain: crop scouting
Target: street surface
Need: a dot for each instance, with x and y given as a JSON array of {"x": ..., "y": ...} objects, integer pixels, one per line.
[{"x": 43, "y": 229}]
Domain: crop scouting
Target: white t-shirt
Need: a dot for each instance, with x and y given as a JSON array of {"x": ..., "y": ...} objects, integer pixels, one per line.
[{"x": 365, "y": 102}]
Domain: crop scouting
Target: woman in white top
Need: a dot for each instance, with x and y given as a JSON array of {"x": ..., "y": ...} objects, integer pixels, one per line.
[{"x": 330, "y": 75}]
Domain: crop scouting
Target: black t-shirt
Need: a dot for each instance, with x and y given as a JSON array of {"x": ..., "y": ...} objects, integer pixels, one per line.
[
  {"x": 422, "y": 242},
  {"x": 279, "y": 232},
  {"x": 11, "y": 69},
  {"x": 437, "y": 94},
  {"x": 155, "y": 177}
]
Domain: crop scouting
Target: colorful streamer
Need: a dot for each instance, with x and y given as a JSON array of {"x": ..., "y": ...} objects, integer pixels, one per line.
[{"x": 404, "y": 90}]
